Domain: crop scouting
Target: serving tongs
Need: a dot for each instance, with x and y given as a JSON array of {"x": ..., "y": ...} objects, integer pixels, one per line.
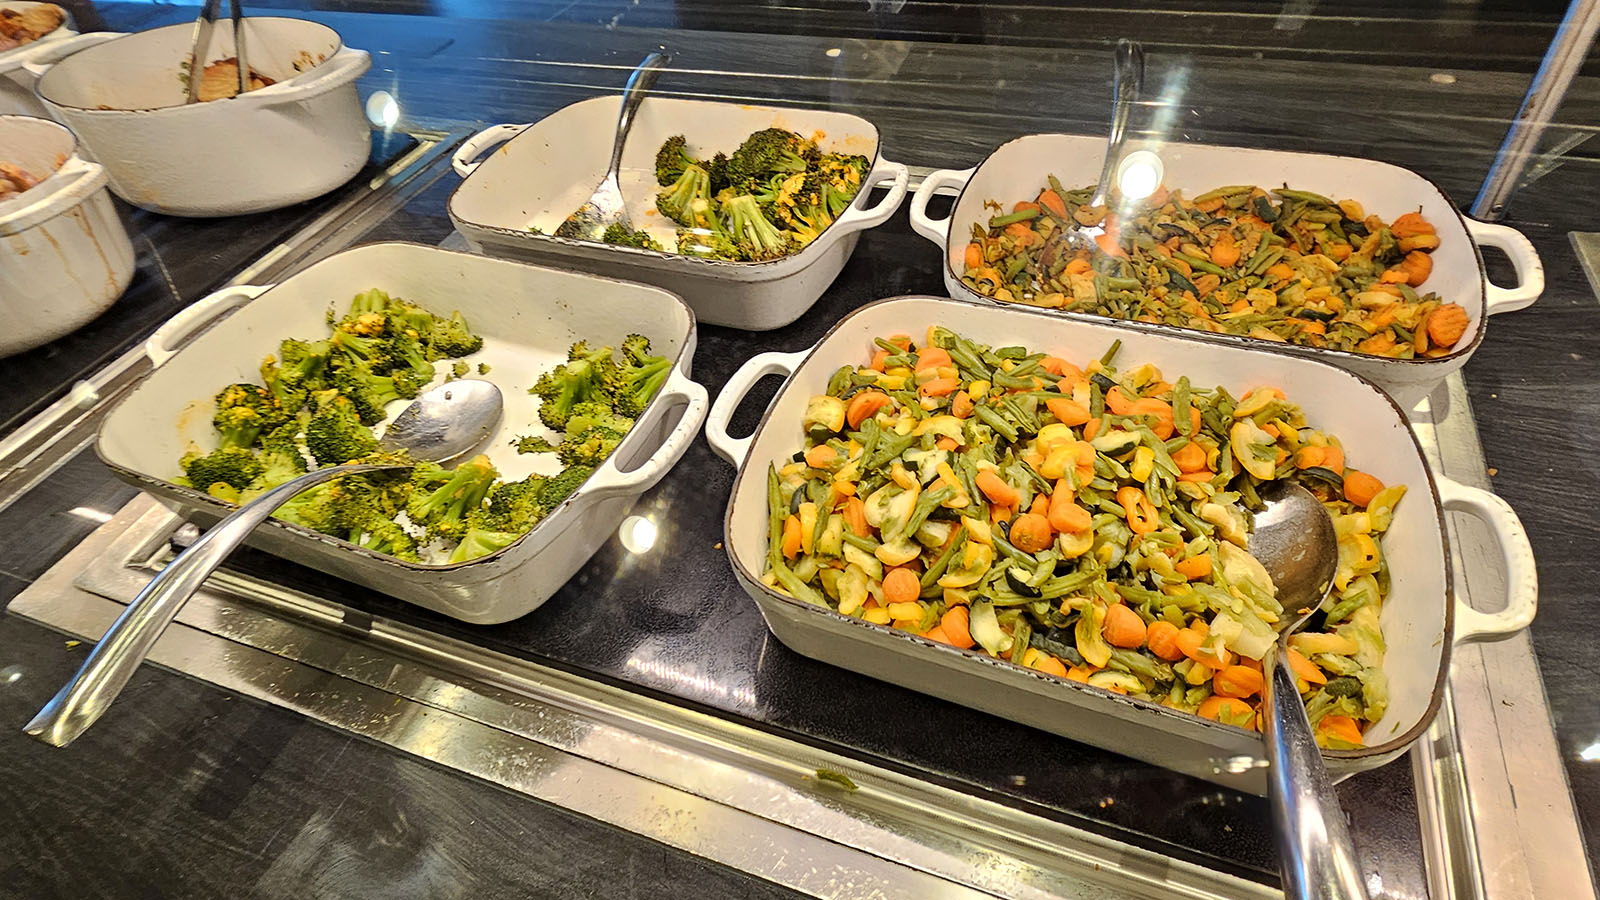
[{"x": 203, "y": 26}]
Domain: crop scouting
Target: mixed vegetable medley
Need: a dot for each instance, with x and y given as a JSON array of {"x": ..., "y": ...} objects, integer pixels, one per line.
[
  {"x": 1281, "y": 265},
  {"x": 777, "y": 193},
  {"x": 318, "y": 400},
  {"x": 1088, "y": 523}
]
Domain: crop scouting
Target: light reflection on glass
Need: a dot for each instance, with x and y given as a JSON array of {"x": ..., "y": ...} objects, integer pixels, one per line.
[
  {"x": 1590, "y": 753},
  {"x": 637, "y": 534},
  {"x": 1139, "y": 174},
  {"x": 383, "y": 109},
  {"x": 99, "y": 516}
]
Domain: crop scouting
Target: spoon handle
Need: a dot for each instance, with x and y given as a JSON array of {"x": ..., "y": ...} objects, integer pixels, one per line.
[
  {"x": 633, "y": 94},
  {"x": 1127, "y": 81},
  {"x": 118, "y": 654},
  {"x": 1317, "y": 857}
]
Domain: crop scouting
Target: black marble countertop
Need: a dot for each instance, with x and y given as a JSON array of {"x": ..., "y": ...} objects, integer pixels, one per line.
[{"x": 257, "y": 788}]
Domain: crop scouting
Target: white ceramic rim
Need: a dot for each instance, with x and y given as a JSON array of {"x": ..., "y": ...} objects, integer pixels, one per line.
[
  {"x": 66, "y": 22},
  {"x": 85, "y": 57},
  {"x": 828, "y": 235},
  {"x": 1239, "y": 340},
  {"x": 1395, "y": 744},
  {"x": 200, "y": 499}
]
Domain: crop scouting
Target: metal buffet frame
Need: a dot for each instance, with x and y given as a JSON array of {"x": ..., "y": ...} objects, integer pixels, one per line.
[{"x": 1494, "y": 807}]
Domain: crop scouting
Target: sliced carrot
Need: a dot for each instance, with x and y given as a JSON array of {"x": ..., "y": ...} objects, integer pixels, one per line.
[
  {"x": 791, "y": 537},
  {"x": 939, "y": 387},
  {"x": 1052, "y": 201},
  {"x": 937, "y": 633},
  {"x": 1161, "y": 410},
  {"x": 820, "y": 456},
  {"x": 946, "y": 443},
  {"x": 1052, "y": 364},
  {"x": 1342, "y": 727},
  {"x": 1360, "y": 488},
  {"x": 1078, "y": 266},
  {"x": 1024, "y": 204},
  {"x": 878, "y": 359},
  {"x": 1310, "y": 456},
  {"x": 1050, "y": 665},
  {"x": 955, "y": 625},
  {"x": 1091, "y": 428},
  {"x": 1030, "y": 533},
  {"x": 1217, "y": 706},
  {"x": 973, "y": 259},
  {"x": 901, "y": 585},
  {"x": 1065, "y": 513},
  {"x": 1123, "y": 628},
  {"x": 1193, "y": 645},
  {"x": 961, "y": 405},
  {"x": 864, "y": 406},
  {"x": 1194, "y": 567},
  {"x": 1067, "y": 412},
  {"x": 1162, "y": 638},
  {"x": 1079, "y": 674},
  {"x": 1118, "y": 402},
  {"x": 1237, "y": 681},
  {"x": 1191, "y": 457},
  {"x": 1108, "y": 245},
  {"x": 932, "y": 357},
  {"x": 1410, "y": 224},
  {"x": 1202, "y": 475},
  {"x": 855, "y": 516},
  {"x": 995, "y": 488},
  {"x": 1225, "y": 254},
  {"x": 903, "y": 341},
  {"x": 1305, "y": 668},
  {"x": 1041, "y": 506},
  {"x": 1137, "y": 508}
]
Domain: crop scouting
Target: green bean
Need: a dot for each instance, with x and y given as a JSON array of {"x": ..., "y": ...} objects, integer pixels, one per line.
[
  {"x": 1111, "y": 352},
  {"x": 926, "y": 504},
  {"x": 1204, "y": 265},
  {"x": 840, "y": 380},
  {"x": 930, "y": 577},
  {"x": 1302, "y": 196},
  {"x": 994, "y": 420},
  {"x": 865, "y": 543},
  {"x": 1272, "y": 257},
  {"x": 1021, "y": 215},
  {"x": 1222, "y": 192},
  {"x": 777, "y": 510},
  {"x": 1019, "y": 643},
  {"x": 888, "y": 449}
]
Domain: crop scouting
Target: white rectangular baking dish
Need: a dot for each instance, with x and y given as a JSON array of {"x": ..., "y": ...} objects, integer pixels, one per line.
[
  {"x": 1017, "y": 170},
  {"x": 1421, "y": 619},
  {"x": 547, "y": 169},
  {"x": 528, "y": 317}
]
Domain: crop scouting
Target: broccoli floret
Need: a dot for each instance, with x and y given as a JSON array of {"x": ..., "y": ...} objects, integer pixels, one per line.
[
  {"x": 672, "y": 159},
  {"x": 335, "y": 433},
  {"x": 711, "y": 243},
  {"x": 354, "y": 349},
  {"x": 717, "y": 169},
  {"x": 589, "y": 448},
  {"x": 382, "y": 535},
  {"x": 238, "y": 425},
  {"x": 444, "y": 509},
  {"x": 554, "y": 490},
  {"x": 768, "y": 151},
  {"x": 450, "y": 338},
  {"x": 235, "y": 466},
  {"x": 637, "y": 377},
  {"x": 281, "y": 459},
  {"x": 756, "y": 237},
  {"x": 309, "y": 508},
  {"x": 534, "y": 444},
  {"x": 304, "y": 364},
  {"x": 688, "y": 200},
  {"x": 370, "y": 393},
  {"x": 478, "y": 542},
  {"x": 409, "y": 320},
  {"x": 369, "y": 302},
  {"x": 405, "y": 353},
  {"x": 243, "y": 412},
  {"x": 513, "y": 506},
  {"x": 565, "y": 386},
  {"x": 623, "y": 236}
]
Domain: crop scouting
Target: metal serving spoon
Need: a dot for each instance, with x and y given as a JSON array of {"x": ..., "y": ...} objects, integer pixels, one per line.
[
  {"x": 605, "y": 206},
  {"x": 442, "y": 426},
  {"x": 1295, "y": 541}
]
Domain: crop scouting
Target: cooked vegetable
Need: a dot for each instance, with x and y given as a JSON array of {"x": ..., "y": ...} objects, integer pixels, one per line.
[
  {"x": 1054, "y": 517},
  {"x": 1278, "y": 265}
]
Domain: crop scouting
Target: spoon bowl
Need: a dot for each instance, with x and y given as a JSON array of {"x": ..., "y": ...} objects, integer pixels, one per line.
[
  {"x": 442, "y": 425},
  {"x": 605, "y": 207}
]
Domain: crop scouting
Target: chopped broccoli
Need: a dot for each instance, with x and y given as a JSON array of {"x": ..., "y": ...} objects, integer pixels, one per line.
[
  {"x": 452, "y": 338},
  {"x": 638, "y": 377},
  {"x": 235, "y": 466},
  {"x": 350, "y": 348},
  {"x": 513, "y": 509},
  {"x": 370, "y": 393},
  {"x": 459, "y": 370},
  {"x": 281, "y": 459},
  {"x": 672, "y": 158},
  {"x": 578, "y": 380},
  {"x": 336, "y": 434},
  {"x": 406, "y": 353},
  {"x": 717, "y": 169},
  {"x": 243, "y": 412},
  {"x": 688, "y": 200},
  {"x": 382, "y": 535},
  {"x": 309, "y": 508},
  {"x": 768, "y": 151},
  {"x": 483, "y": 368},
  {"x": 713, "y": 242},
  {"x": 623, "y": 236},
  {"x": 444, "y": 509},
  {"x": 534, "y": 444},
  {"x": 555, "y": 490},
  {"x": 756, "y": 237}
]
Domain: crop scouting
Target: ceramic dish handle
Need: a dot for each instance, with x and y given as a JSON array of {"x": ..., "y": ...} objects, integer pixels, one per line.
[
  {"x": 730, "y": 448},
  {"x": 343, "y": 67},
  {"x": 1530, "y": 271},
  {"x": 163, "y": 345},
  {"x": 465, "y": 159},
  {"x": 936, "y": 230},
  {"x": 38, "y": 62},
  {"x": 609, "y": 481},
  {"x": 860, "y": 218},
  {"x": 71, "y": 184},
  {"x": 1522, "y": 579}
]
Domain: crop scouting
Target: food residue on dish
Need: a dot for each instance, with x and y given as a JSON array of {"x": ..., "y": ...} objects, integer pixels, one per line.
[
  {"x": 24, "y": 26},
  {"x": 220, "y": 80}
]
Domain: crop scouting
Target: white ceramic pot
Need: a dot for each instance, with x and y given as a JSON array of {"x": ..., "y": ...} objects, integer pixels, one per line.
[
  {"x": 1421, "y": 618},
  {"x": 528, "y": 317},
  {"x": 547, "y": 169},
  {"x": 64, "y": 255},
  {"x": 292, "y": 141},
  {"x": 16, "y": 83},
  {"x": 1017, "y": 170}
]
